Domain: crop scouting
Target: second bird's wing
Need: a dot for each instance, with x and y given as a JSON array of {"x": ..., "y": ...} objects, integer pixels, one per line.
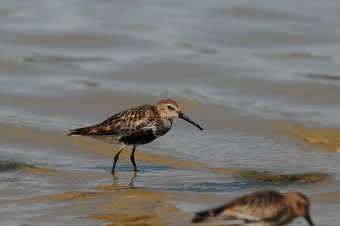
[{"x": 252, "y": 208}]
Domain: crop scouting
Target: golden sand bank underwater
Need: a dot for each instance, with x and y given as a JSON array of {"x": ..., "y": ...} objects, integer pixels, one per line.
[{"x": 328, "y": 138}]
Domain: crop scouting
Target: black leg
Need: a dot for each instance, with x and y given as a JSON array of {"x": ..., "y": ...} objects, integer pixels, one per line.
[
  {"x": 116, "y": 159},
  {"x": 133, "y": 158}
]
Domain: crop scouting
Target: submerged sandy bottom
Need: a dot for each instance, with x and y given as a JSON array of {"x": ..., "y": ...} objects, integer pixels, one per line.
[
  {"x": 38, "y": 196},
  {"x": 160, "y": 194}
]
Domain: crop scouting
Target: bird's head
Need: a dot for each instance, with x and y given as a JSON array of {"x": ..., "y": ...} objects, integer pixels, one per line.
[
  {"x": 170, "y": 109},
  {"x": 299, "y": 204}
]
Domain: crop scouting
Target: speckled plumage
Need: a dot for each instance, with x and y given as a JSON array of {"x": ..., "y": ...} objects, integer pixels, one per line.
[
  {"x": 133, "y": 122},
  {"x": 265, "y": 208},
  {"x": 136, "y": 126}
]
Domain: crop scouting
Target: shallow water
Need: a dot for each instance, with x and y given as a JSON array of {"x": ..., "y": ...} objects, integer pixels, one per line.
[{"x": 262, "y": 80}]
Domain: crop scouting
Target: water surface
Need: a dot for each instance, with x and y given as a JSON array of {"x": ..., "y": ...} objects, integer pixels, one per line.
[{"x": 262, "y": 79}]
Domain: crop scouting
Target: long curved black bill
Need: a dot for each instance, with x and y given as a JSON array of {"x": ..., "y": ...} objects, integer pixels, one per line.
[
  {"x": 309, "y": 219},
  {"x": 182, "y": 116}
]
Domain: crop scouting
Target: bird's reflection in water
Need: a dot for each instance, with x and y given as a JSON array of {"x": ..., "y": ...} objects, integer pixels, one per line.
[
  {"x": 132, "y": 180},
  {"x": 115, "y": 180},
  {"x": 130, "y": 185}
]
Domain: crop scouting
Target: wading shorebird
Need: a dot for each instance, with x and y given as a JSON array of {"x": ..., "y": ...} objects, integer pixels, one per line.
[
  {"x": 265, "y": 208},
  {"x": 136, "y": 126}
]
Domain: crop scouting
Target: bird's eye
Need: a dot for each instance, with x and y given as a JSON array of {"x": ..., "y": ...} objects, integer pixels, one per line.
[{"x": 170, "y": 108}]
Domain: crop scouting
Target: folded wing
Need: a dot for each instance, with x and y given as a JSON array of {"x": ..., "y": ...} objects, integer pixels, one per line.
[{"x": 124, "y": 123}]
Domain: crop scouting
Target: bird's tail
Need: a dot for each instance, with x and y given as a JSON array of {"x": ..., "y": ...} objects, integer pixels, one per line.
[
  {"x": 81, "y": 131},
  {"x": 95, "y": 130}
]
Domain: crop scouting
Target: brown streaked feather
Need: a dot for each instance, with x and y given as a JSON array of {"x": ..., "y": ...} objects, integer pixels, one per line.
[
  {"x": 260, "y": 205},
  {"x": 124, "y": 123},
  {"x": 255, "y": 207}
]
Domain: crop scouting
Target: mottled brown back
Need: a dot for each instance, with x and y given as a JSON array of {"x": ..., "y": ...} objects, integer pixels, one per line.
[
  {"x": 259, "y": 206},
  {"x": 124, "y": 123},
  {"x": 265, "y": 204}
]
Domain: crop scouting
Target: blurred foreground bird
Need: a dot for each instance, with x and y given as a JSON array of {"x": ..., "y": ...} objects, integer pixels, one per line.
[
  {"x": 265, "y": 208},
  {"x": 136, "y": 126}
]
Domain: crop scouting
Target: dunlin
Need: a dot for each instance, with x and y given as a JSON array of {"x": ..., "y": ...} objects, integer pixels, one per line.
[
  {"x": 268, "y": 208},
  {"x": 136, "y": 126}
]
